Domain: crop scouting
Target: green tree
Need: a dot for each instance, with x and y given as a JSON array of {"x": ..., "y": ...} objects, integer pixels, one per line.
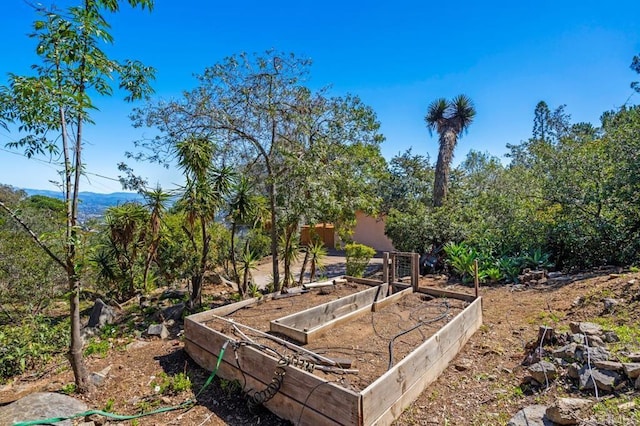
[
  {"x": 52, "y": 108},
  {"x": 205, "y": 190},
  {"x": 309, "y": 154},
  {"x": 449, "y": 119}
]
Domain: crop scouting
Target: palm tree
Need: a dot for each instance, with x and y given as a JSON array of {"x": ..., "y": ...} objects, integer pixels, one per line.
[{"x": 449, "y": 119}]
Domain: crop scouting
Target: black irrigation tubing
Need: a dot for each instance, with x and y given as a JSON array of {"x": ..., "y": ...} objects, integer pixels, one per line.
[{"x": 409, "y": 330}]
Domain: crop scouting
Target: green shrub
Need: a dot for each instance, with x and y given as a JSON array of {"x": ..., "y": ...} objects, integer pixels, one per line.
[
  {"x": 358, "y": 257},
  {"x": 31, "y": 345}
]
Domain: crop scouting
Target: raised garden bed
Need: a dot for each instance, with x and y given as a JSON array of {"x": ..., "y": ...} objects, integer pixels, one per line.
[{"x": 350, "y": 354}]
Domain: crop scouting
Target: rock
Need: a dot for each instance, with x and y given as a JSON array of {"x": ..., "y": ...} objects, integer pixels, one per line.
[
  {"x": 158, "y": 330},
  {"x": 173, "y": 312},
  {"x": 605, "y": 380},
  {"x": 577, "y": 338},
  {"x": 101, "y": 314},
  {"x": 634, "y": 357},
  {"x": 577, "y": 301},
  {"x": 136, "y": 344},
  {"x": 567, "y": 352},
  {"x": 41, "y": 405},
  {"x": 543, "y": 372},
  {"x": 97, "y": 378},
  {"x": 585, "y": 328},
  {"x": 610, "y": 337},
  {"x": 573, "y": 371},
  {"x": 554, "y": 274},
  {"x": 595, "y": 354},
  {"x": 533, "y": 415},
  {"x": 463, "y": 365},
  {"x": 610, "y": 304},
  {"x": 632, "y": 369},
  {"x": 637, "y": 384},
  {"x": 608, "y": 365},
  {"x": 568, "y": 411},
  {"x": 175, "y": 294},
  {"x": 546, "y": 335},
  {"x": 595, "y": 340}
]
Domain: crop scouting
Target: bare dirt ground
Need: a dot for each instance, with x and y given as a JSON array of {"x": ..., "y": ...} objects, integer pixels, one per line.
[{"x": 482, "y": 386}]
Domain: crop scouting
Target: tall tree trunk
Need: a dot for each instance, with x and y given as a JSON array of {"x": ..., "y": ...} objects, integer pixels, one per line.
[
  {"x": 75, "y": 347},
  {"x": 274, "y": 237},
  {"x": 304, "y": 265},
  {"x": 448, "y": 140},
  {"x": 236, "y": 277}
]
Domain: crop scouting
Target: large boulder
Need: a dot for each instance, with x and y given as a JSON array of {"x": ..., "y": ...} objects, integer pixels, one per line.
[
  {"x": 101, "y": 314},
  {"x": 39, "y": 406}
]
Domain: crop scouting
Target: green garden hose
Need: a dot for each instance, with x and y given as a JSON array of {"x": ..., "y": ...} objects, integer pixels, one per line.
[{"x": 188, "y": 403}]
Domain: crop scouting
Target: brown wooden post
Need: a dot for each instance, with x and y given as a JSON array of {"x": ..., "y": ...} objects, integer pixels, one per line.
[
  {"x": 476, "y": 279},
  {"x": 415, "y": 271},
  {"x": 392, "y": 271},
  {"x": 385, "y": 269}
]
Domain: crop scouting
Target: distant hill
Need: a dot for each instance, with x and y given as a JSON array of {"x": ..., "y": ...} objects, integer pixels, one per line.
[{"x": 92, "y": 205}]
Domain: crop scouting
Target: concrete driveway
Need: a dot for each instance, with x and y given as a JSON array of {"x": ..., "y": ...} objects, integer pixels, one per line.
[{"x": 335, "y": 265}]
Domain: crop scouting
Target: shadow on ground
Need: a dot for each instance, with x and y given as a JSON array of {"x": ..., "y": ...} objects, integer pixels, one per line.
[{"x": 223, "y": 398}]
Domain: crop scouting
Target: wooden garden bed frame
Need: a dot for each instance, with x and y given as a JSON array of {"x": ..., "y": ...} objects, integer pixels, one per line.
[{"x": 307, "y": 399}]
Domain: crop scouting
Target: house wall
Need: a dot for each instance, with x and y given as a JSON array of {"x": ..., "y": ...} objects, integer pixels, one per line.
[{"x": 370, "y": 231}]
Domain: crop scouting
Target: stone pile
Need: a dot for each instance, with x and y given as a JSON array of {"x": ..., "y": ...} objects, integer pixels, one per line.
[{"x": 582, "y": 356}]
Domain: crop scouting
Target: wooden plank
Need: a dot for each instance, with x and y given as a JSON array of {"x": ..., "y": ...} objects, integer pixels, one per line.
[
  {"x": 318, "y": 315},
  {"x": 365, "y": 281},
  {"x": 299, "y": 336},
  {"x": 322, "y": 329},
  {"x": 379, "y": 304},
  {"x": 327, "y": 398},
  {"x": 281, "y": 405},
  {"x": 384, "y": 399},
  {"x": 437, "y": 292}
]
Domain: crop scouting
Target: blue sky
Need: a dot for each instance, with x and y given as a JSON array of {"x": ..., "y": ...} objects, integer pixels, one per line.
[{"x": 397, "y": 56}]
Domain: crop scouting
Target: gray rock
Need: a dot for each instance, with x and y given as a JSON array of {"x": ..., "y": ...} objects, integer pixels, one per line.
[
  {"x": 543, "y": 372},
  {"x": 637, "y": 384},
  {"x": 610, "y": 337},
  {"x": 573, "y": 371},
  {"x": 568, "y": 411},
  {"x": 533, "y": 415},
  {"x": 567, "y": 352},
  {"x": 634, "y": 357},
  {"x": 98, "y": 378},
  {"x": 632, "y": 369},
  {"x": 585, "y": 328},
  {"x": 101, "y": 314},
  {"x": 610, "y": 304},
  {"x": 605, "y": 380},
  {"x": 595, "y": 354},
  {"x": 174, "y": 294},
  {"x": 577, "y": 338},
  {"x": 158, "y": 330},
  {"x": 595, "y": 341},
  {"x": 39, "y": 406},
  {"x": 608, "y": 365},
  {"x": 173, "y": 312}
]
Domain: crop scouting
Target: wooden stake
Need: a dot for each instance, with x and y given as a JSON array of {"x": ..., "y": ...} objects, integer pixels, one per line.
[{"x": 476, "y": 279}]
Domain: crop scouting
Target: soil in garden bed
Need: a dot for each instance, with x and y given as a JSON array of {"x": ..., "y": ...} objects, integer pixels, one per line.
[{"x": 373, "y": 342}]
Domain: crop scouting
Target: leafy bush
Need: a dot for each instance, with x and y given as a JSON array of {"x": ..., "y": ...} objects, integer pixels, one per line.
[
  {"x": 31, "y": 345},
  {"x": 171, "y": 385},
  {"x": 358, "y": 257}
]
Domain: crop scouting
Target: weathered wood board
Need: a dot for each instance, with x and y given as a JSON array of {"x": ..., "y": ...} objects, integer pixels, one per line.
[{"x": 304, "y": 326}]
